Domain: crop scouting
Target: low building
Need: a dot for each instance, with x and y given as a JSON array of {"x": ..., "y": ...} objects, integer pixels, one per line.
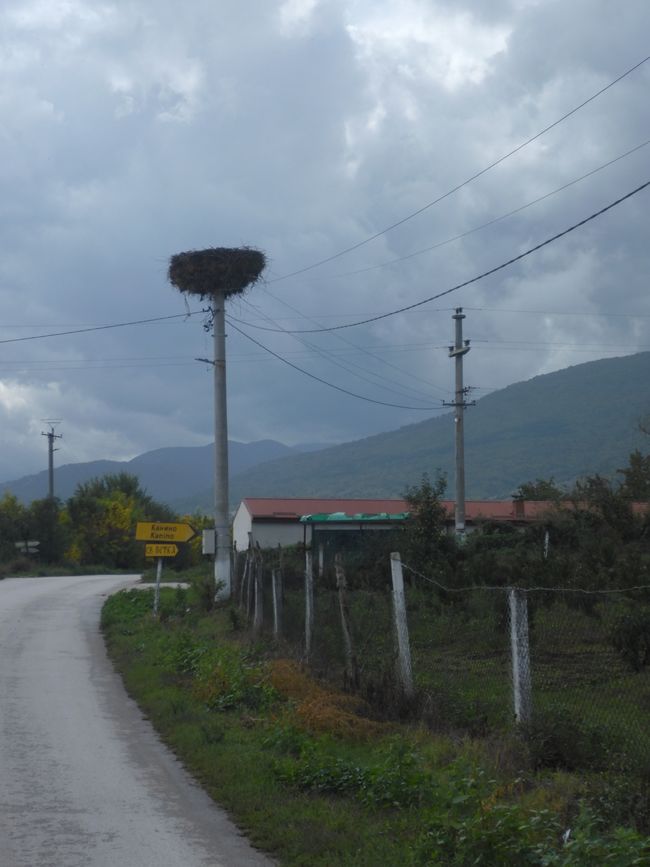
[{"x": 272, "y": 521}]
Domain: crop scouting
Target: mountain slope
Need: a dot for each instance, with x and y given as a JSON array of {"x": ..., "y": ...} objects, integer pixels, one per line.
[
  {"x": 165, "y": 473},
  {"x": 566, "y": 424}
]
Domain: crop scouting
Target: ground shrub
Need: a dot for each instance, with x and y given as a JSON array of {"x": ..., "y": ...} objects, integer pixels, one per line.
[
  {"x": 559, "y": 738},
  {"x": 318, "y": 709},
  {"x": 631, "y": 637}
]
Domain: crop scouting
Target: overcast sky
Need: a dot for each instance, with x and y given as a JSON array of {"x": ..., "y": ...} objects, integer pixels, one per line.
[{"x": 133, "y": 130}]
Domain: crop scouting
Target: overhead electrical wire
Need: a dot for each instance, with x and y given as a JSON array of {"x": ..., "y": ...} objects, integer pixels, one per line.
[
  {"x": 464, "y": 183},
  {"x": 323, "y": 353},
  {"x": 489, "y": 223},
  {"x": 185, "y": 315},
  {"x": 465, "y": 283},
  {"x": 582, "y": 313},
  {"x": 362, "y": 349},
  {"x": 324, "y": 381}
]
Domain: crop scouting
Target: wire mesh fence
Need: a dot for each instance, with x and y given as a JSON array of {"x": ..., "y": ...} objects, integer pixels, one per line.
[{"x": 570, "y": 668}]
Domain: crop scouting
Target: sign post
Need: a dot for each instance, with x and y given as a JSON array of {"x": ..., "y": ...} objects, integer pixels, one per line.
[
  {"x": 162, "y": 537},
  {"x": 156, "y": 595}
]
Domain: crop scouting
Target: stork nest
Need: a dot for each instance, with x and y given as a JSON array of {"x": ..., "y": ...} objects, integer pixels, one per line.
[{"x": 216, "y": 271}]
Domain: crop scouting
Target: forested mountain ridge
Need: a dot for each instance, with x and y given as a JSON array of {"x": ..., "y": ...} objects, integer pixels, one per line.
[
  {"x": 165, "y": 473},
  {"x": 567, "y": 424}
]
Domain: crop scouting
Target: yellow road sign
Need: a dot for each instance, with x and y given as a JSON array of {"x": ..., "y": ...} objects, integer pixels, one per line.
[
  {"x": 151, "y": 532},
  {"x": 160, "y": 550}
]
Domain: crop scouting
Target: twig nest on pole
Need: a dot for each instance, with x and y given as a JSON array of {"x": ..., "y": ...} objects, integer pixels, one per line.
[{"x": 216, "y": 271}]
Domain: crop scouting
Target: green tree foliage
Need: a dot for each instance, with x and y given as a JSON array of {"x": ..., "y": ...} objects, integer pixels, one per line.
[
  {"x": 636, "y": 477},
  {"x": 46, "y": 526},
  {"x": 426, "y": 541},
  {"x": 540, "y": 489},
  {"x": 41, "y": 522},
  {"x": 14, "y": 525},
  {"x": 102, "y": 515}
]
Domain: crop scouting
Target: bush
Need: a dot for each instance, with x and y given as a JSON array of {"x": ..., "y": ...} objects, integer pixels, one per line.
[
  {"x": 559, "y": 739},
  {"x": 631, "y": 637}
]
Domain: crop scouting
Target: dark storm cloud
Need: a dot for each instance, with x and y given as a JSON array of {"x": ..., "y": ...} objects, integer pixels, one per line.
[{"x": 133, "y": 131}]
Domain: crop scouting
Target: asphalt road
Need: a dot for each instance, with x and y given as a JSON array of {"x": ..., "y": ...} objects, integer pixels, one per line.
[{"x": 84, "y": 780}]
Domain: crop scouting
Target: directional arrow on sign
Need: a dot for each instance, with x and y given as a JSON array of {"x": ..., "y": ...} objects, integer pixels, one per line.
[{"x": 146, "y": 531}]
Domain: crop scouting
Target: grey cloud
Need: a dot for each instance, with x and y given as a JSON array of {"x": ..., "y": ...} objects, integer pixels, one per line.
[{"x": 133, "y": 132}]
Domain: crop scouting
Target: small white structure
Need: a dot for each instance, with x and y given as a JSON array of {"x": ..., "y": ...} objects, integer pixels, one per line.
[{"x": 272, "y": 521}]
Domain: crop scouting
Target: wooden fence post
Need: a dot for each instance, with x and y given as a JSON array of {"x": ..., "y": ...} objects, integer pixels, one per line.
[
  {"x": 351, "y": 665},
  {"x": 520, "y": 649},
  {"x": 309, "y": 601},
  {"x": 250, "y": 587},
  {"x": 244, "y": 579},
  {"x": 404, "y": 667},
  {"x": 276, "y": 587},
  {"x": 258, "y": 618}
]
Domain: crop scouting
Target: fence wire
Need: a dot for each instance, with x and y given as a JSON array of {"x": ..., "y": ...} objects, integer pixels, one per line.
[{"x": 584, "y": 673}]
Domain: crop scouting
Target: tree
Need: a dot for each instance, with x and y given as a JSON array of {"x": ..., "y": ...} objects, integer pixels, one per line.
[
  {"x": 14, "y": 525},
  {"x": 46, "y": 526},
  {"x": 426, "y": 527},
  {"x": 540, "y": 489},
  {"x": 103, "y": 513},
  {"x": 636, "y": 477}
]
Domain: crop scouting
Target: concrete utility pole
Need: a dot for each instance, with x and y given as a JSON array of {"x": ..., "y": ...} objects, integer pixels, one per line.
[
  {"x": 221, "y": 495},
  {"x": 222, "y": 564},
  {"x": 458, "y": 351},
  {"x": 216, "y": 274},
  {"x": 51, "y": 436}
]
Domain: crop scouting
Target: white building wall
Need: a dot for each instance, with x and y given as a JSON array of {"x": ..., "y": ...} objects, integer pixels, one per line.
[
  {"x": 269, "y": 534},
  {"x": 241, "y": 527}
]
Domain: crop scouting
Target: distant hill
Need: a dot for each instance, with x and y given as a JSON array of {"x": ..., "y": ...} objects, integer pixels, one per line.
[
  {"x": 166, "y": 474},
  {"x": 566, "y": 424}
]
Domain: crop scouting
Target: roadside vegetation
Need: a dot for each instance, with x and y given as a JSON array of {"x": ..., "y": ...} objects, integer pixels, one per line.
[
  {"x": 316, "y": 776},
  {"x": 322, "y": 768},
  {"x": 93, "y": 531}
]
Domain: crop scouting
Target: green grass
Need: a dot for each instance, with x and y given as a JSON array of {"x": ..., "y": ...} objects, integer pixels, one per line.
[{"x": 398, "y": 795}]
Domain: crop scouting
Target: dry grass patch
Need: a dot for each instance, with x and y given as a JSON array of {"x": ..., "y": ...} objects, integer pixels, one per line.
[{"x": 319, "y": 709}]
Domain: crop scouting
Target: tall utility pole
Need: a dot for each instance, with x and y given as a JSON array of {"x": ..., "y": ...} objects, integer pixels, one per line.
[
  {"x": 223, "y": 541},
  {"x": 458, "y": 351},
  {"x": 217, "y": 274},
  {"x": 51, "y": 436}
]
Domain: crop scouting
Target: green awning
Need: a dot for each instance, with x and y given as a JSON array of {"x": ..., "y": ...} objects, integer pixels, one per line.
[{"x": 360, "y": 518}]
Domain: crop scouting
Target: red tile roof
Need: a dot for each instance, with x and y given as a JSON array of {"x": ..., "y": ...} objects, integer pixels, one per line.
[{"x": 290, "y": 508}]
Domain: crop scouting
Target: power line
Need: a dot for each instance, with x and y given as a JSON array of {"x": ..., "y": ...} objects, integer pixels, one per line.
[
  {"x": 466, "y": 282},
  {"x": 324, "y": 381},
  {"x": 364, "y": 350},
  {"x": 328, "y": 357},
  {"x": 582, "y": 313},
  {"x": 489, "y": 223},
  {"x": 185, "y": 315},
  {"x": 464, "y": 183}
]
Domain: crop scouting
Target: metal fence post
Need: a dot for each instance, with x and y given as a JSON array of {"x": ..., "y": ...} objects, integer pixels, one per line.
[
  {"x": 520, "y": 648},
  {"x": 404, "y": 667}
]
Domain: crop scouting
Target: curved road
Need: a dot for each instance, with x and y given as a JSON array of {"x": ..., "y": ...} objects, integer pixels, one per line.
[{"x": 84, "y": 780}]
